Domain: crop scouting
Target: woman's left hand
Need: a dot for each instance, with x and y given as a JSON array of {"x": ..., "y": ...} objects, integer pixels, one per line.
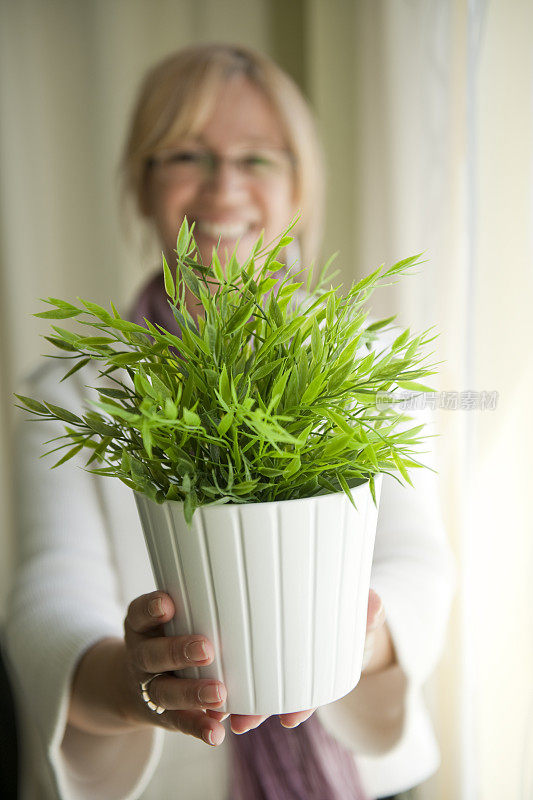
[{"x": 378, "y": 654}]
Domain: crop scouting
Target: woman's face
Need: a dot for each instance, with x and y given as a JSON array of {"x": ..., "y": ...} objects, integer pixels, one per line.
[{"x": 233, "y": 180}]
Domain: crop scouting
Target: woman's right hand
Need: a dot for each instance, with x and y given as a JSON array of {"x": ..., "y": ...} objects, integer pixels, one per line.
[{"x": 149, "y": 651}]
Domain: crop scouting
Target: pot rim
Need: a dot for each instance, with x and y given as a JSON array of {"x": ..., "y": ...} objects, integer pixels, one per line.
[{"x": 356, "y": 489}]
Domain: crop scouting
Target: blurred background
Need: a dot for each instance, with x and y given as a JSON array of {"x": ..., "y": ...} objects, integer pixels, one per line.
[{"x": 425, "y": 108}]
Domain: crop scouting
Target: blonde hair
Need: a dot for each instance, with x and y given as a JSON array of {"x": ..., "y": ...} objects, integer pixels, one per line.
[{"x": 175, "y": 99}]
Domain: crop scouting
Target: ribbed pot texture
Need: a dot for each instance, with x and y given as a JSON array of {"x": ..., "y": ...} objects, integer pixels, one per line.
[{"x": 280, "y": 589}]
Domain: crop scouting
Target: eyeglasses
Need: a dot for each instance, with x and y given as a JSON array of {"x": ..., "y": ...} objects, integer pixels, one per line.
[{"x": 259, "y": 164}]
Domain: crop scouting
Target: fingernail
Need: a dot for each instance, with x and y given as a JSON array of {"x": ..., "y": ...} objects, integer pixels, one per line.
[
  {"x": 210, "y": 694},
  {"x": 378, "y": 619},
  {"x": 155, "y": 607},
  {"x": 196, "y": 651},
  {"x": 213, "y": 738},
  {"x": 368, "y": 652}
]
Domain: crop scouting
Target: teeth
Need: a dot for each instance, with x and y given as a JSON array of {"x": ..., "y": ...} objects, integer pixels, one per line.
[{"x": 225, "y": 231}]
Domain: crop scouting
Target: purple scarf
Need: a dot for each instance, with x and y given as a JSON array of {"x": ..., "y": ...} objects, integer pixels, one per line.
[{"x": 270, "y": 762}]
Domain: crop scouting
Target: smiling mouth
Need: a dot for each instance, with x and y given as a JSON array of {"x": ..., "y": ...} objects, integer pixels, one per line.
[{"x": 226, "y": 230}]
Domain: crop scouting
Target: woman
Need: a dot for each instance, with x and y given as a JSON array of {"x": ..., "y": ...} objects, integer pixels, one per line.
[{"x": 221, "y": 135}]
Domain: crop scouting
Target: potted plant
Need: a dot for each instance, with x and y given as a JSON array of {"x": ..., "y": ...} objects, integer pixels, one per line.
[{"x": 255, "y": 446}]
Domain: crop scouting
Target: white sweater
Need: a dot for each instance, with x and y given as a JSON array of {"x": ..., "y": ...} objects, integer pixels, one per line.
[{"x": 82, "y": 559}]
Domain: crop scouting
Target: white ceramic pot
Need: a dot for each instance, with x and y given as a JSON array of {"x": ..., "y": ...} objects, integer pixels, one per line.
[{"x": 280, "y": 589}]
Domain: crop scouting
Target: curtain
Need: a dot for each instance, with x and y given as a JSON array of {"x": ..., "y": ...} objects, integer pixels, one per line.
[
  {"x": 68, "y": 75},
  {"x": 440, "y": 158},
  {"x": 426, "y": 112}
]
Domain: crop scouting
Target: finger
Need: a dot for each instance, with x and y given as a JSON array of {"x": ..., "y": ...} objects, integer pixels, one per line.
[
  {"x": 295, "y": 718},
  {"x": 375, "y": 615},
  {"x": 165, "y": 653},
  {"x": 368, "y": 652},
  {"x": 194, "y": 723},
  {"x": 218, "y": 715},
  {"x": 148, "y": 612},
  {"x": 241, "y": 723},
  {"x": 178, "y": 694}
]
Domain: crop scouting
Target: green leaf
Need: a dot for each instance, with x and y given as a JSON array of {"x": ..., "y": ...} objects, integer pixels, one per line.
[
  {"x": 70, "y": 337},
  {"x": 266, "y": 369},
  {"x": 275, "y": 311},
  {"x": 402, "y": 265},
  {"x": 414, "y": 386},
  {"x": 182, "y": 243},
  {"x": 97, "y": 341},
  {"x": 96, "y": 310},
  {"x": 95, "y": 422},
  {"x": 401, "y": 468},
  {"x": 125, "y": 359},
  {"x": 293, "y": 467},
  {"x": 273, "y": 266},
  {"x": 316, "y": 342},
  {"x": 313, "y": 390},
  {"x": 343, "y": 482},
  {"x": 259, "y": 243},
  {"x": 364, "y": 282},
  {"x": 160, "y": 389},
  {"x": 169, "y": 281},
  {"x": 285, "y": 240},
  {"x": 265, "y": 286},
  {"x": 225, "y": 423},
  {"x": 171, "y": 410},
  {"x": 330, "y": 312},
  {"x": 338, "y": 376},
  {"x": 400, "y": 340},
  {"x": 369, "y": 449},
  {"x": 244, "y": 487},
  {"x": 61, "y": 304},
  {"x": 217, "y": 266},
  {"x": 116, "y": 411},
  {"x": 278, "y": 388},
  {"x": 188, "y": 509},
  {"x": 33, "y": 405},
  {"x": 204, "y": 405},
  {"x": 125, "y": 462},
  {"x": 60, "y": 313},
  {"x": 63, "y": 414},
  {"x": 142, "y": 385},
  {"x": 68, "y": 455},
  {"x": 147, "y": 436},
  {"x": 239, "y": 318},
  {"x": 285, "y": 294},
  {"x": 380, "y": 323},
  {"x": 191, "y": 418},
  {"x": 61, "y": 344},
  {"x": 125, "y": 325},
  {"x": 347, "y": 355},
  {"x": 75, "y": 368},
  {"x": 224, "y": 385},
  {"x": 173, "y": 493},
  {"x": 115, "y": 393},
  {"x": 291, "y": 392},
  {"x": 337, "y": 444},
  {"x": 190, "y": 279},
  {"x": 373, "y": 489},
  {"x": 342, "y": 423},
  {"x": 302, "y": 370}
]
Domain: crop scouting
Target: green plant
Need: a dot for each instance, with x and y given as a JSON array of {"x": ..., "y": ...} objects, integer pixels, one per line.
[{"x": 260, "y": 400}]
